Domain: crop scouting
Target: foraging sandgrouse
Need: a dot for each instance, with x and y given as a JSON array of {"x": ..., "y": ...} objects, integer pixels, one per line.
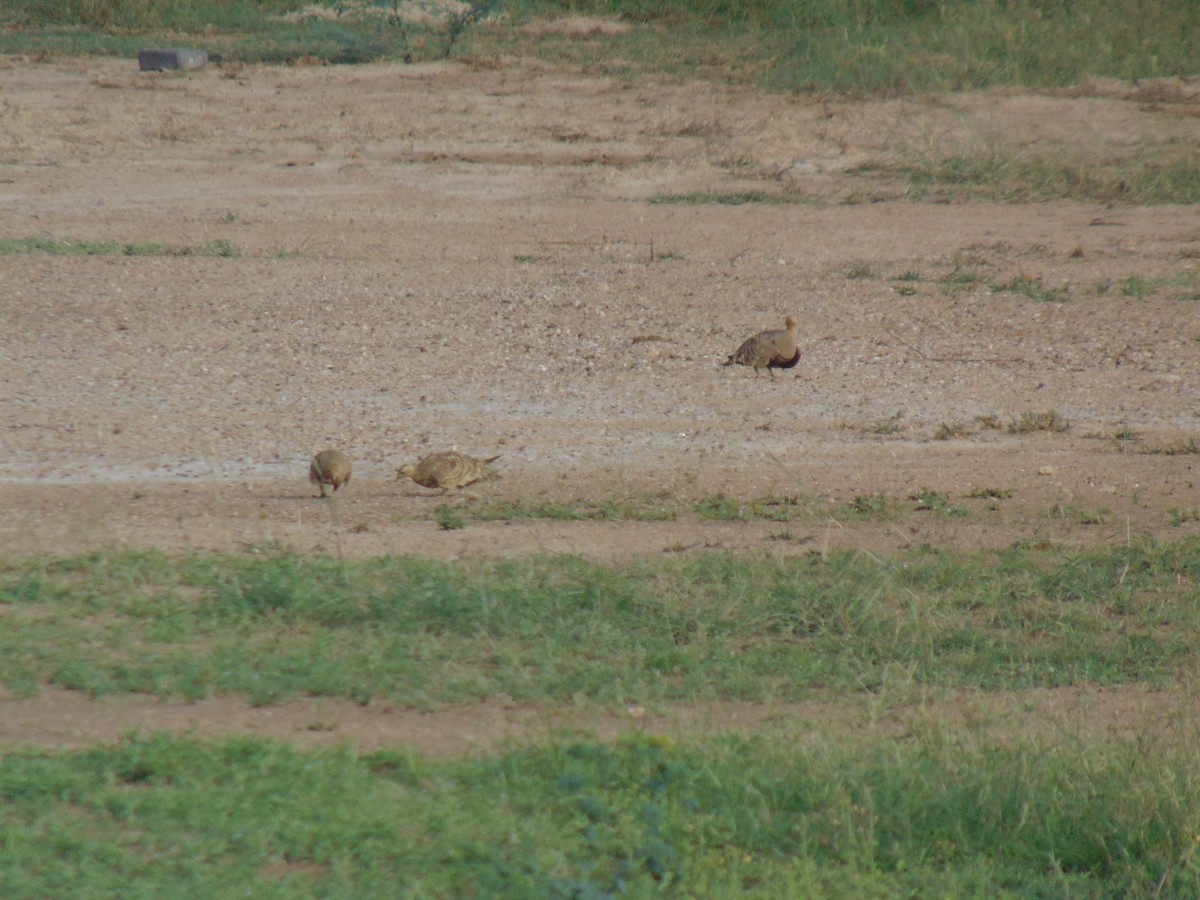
[
  {"x": 448, "y": 470},
  {"x": 330, "y": 467},
  {"x": 769, "y": 350}
]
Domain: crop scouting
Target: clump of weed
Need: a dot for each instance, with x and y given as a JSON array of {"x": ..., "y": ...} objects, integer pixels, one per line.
[
  {"x": 1182, "y": 515},
  {"x": 728, "y": 198},
  {"x": 951, "y": 430},
  {"x": 875, "y": 505},
  {"x": 860, "y": 272},
  {"x": 1029, "y": 422},
  {"x": 718, "y": 507},
  {"x": 1137, "y": 286},
  {"x": 1032, "y": 287},
  {"x": 1080, "y": 514},
  {"x": 1126, "y": 435},
  {"x": 1176, "y": 448},
  {"x": 927, "y": 500},
  {"x": 449, "y": 518},
  {"x": 991, "y": 493},
  {"x": 990, "y": 422}
]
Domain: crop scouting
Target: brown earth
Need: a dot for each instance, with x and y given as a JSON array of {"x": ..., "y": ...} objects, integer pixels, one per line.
[{"x": 468, "y": 256}]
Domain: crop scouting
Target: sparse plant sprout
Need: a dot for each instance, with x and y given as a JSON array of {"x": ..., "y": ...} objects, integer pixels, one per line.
[
  {"x": 860, "y": 271},
  {"x": 991, "y": 493},
  {"x": 1080, "y": 514},
  {"x": 1181, "y": 447},
  {"x": 1138, "y": 287},
  {"x": 1180, "y": 516},
  {"x": 907, "y": 282},
  {"x": 668, "y": 255},
  {"x": 1102, "y": 287},
  {"x": 927, "y": 500},
  {"x": 1126, "y": 435},
  {"x": 952, "y": 430},
  {"x": 449, "y": 518},
  {"x": 736, "y": 198},
  {"x": 874, "y": 505},
  {"x": 1032, "y": 287},
  {"x": 718, "y": 507},
  {"x": 990, "y": 422},
  {"x": 885, "y": 428},
  {"x": 1030, "y": 422},
  {"x": 526, "y": 258}
]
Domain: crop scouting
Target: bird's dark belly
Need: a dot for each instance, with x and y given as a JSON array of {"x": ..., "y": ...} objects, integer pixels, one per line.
[{"x": 784, "y": 363}]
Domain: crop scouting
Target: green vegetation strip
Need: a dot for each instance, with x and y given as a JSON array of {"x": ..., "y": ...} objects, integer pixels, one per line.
[
  {"x": 422, "y": 632},
  {"x": 931, "y": 815},
  {"x": 864, "y": 46},
  {"x": 58, "y": 247}
]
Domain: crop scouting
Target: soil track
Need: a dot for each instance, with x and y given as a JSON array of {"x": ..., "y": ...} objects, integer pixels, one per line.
[{"x": 439, "y": 256}]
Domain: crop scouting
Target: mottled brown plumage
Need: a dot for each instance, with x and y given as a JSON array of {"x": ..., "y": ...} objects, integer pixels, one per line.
[
  {"x": 769, "y": 350},
  {"x": 448, "y": 470},
  {"x": 330, "y": 467}
]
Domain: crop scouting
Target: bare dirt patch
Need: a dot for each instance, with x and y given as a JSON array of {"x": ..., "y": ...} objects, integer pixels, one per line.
[
  {"x": 452, "y": 256},
  {"x": 66, "y": 720}
]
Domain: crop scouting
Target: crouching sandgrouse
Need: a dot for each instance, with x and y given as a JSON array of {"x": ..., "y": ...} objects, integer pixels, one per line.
[
  {"x": 769, "y": 350},
  {"x": 448, "y": 470}
]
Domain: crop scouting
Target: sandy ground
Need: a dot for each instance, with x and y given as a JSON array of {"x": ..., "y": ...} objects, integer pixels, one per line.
[{"x": 468, "y": 256}]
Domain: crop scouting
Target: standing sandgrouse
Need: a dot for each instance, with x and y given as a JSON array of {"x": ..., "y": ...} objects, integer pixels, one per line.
[
  {"x": 769, "y": 350},
  {"x": 448, "y": 470},
  {"x": 330, "y": 467}
]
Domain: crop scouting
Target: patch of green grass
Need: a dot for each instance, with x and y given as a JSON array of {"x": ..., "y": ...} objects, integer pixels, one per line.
[
  {"x": 655, "y": 507},
  {"x": 871, "y": 506},
  {"x": 963, "y": 276},
  {"x": 1137, "y": 286},
  {"x": 58, "y": 247},
  {"x": 449, "y": 518},
  {"x": 1030, "y": 422},
  {"x": 927, "y": 500},
  {"x": 933, "y": 814},
  {"x": 1162, "y": 172},
  {"x": 1033, "y": 288},
  {"x": 419, "y": 632},
  {"x": 719, "y": 508},
  {"x": 249, "y": 31},
  {"x": 633, "y": 508},
  {"x": 1182, "y": 515},
  {"x": 859, "y": 47},
  {"x": 1080, "y": 514}
]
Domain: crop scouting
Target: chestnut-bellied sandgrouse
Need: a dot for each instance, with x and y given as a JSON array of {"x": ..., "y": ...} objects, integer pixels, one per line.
[
  {"x": 448, "y": 470},
  {"x": 769, "y": 350},
  {"x": 330, "y": 467}
]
